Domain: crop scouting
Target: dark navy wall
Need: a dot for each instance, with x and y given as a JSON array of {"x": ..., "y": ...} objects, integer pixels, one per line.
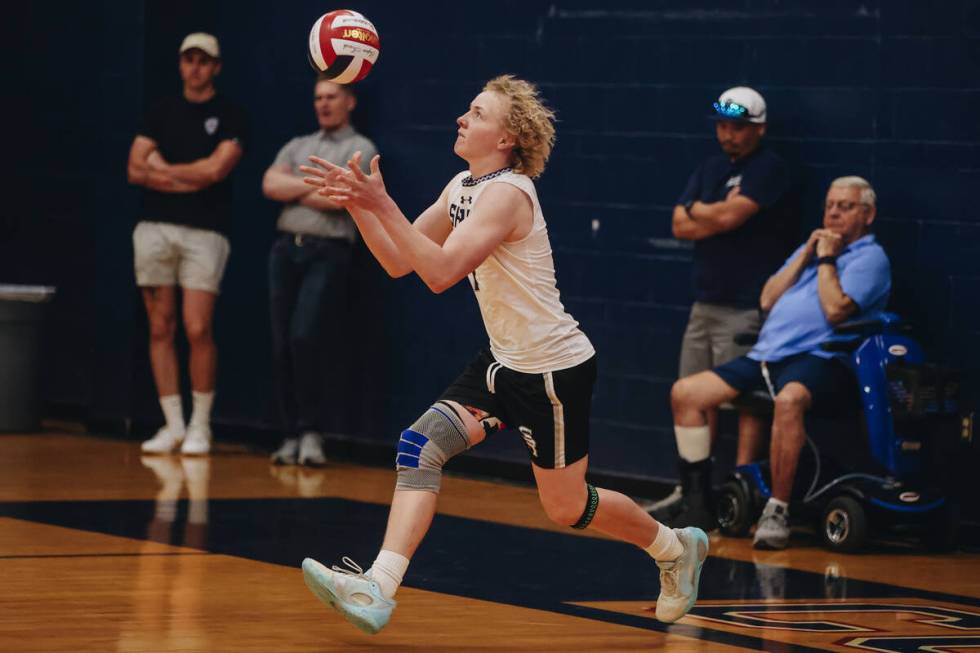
[{"x": 885, "y": 89}]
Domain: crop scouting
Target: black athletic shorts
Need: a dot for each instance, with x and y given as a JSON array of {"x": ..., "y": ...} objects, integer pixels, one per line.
[{"x": 551, "y": 410}]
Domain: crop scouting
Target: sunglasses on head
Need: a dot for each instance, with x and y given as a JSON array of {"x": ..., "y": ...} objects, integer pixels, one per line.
[{"x": 731, "y": 110}]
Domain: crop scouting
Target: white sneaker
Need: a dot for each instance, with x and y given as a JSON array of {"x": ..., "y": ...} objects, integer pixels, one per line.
[
  {"x": 162, "y": 442},
  {"x": 350, "y": 592},
  {"x": 197, "y": 442},
  {"x": 679, "y": 578},
  {"x": 311, "y": 450}
]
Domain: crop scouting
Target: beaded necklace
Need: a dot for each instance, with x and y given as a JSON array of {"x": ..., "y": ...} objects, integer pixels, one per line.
[{"x": 470, "y": 181}]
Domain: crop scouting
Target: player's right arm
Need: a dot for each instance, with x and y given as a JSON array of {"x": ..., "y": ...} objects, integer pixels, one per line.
[
  {"x": 139, "y": 172},
  {"x": 433, "y": 223}
]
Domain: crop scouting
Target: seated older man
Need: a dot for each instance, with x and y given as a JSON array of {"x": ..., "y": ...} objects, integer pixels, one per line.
[{"x": 839, "y": 274}]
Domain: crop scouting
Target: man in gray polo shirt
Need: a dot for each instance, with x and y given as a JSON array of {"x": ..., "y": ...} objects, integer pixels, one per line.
[{"x": 308, "y": 272}]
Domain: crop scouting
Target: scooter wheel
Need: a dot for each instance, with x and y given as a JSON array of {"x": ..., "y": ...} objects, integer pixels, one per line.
[
  {"x": 734, "y": 509},
  {"x": 844, "y": 525}
]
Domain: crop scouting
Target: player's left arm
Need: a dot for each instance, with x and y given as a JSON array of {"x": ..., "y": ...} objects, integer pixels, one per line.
[{"x": 211, "y": 169}]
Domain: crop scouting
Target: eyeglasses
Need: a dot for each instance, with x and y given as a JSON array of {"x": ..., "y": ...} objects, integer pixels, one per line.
[
  {"x": 843, "y": 205},
  {"x": 731, "y": 110}
]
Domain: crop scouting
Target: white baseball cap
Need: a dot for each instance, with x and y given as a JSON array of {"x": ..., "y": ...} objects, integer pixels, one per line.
[
  {"x": 202, "y": 41},
  {"x": 740, "y": 104}
]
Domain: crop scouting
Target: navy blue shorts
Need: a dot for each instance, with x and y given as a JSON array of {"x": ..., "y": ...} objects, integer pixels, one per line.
[{"x": 831, "y": 384}]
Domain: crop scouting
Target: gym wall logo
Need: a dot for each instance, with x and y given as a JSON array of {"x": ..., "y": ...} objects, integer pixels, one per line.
[
  {"x": 211, "y": 125},
  {"x": 901, "y": 627},
  {"x": 528, "y": 436}
]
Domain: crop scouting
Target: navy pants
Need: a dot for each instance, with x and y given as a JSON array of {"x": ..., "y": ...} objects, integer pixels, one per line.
[{"x": 308, "y": 281}]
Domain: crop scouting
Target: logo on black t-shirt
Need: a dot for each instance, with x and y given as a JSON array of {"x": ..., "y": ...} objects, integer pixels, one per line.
[
  {"x": 733, "y": 181},
  {"x": 211, "y": 125}
]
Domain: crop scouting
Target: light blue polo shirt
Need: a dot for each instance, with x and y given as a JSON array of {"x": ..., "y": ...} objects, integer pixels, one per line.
[{"x": 797, "y": 323}]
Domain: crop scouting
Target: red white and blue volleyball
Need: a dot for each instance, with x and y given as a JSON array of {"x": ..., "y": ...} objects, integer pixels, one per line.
[{"x": 343, "y": 46}]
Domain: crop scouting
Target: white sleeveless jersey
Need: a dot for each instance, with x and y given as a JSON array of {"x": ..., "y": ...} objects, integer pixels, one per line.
[{"x": 529, "y": 329}]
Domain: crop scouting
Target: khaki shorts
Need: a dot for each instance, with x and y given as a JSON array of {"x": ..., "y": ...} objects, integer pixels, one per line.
[
  {"x": 709, "y": 340},
  {"x": 166, "y": 254}
]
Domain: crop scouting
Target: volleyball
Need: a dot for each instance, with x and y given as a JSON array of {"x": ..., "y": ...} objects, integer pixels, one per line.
[{"x": 343, "y": 46}]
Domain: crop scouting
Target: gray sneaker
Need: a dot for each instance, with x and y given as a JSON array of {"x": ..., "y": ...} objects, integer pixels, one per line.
[
  {"x": 287, "y": 453},
  {"x": 772, "y": 531},
  {"x": 311, "y": 450}
]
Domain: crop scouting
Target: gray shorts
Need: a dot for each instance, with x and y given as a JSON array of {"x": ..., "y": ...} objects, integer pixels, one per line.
[
  {"x": 709, "y": 340},
  {"x": 166, "y": 254}
]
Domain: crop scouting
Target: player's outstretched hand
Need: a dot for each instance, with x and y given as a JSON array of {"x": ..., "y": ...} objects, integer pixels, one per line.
[
  {"x": 349, "y": 186},
  {"x": 324, "y": 175}
]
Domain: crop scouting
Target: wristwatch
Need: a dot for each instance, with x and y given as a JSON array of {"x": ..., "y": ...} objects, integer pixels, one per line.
[
  {"x": 687, "y": 208},
  {"x": 827, "y": 260}
]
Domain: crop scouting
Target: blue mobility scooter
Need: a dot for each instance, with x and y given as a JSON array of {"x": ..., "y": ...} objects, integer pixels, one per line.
[{"x": 893, "y": 468}]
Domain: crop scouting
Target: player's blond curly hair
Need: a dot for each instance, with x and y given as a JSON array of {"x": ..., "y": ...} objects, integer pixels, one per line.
[{"x": 529, "y": 120}]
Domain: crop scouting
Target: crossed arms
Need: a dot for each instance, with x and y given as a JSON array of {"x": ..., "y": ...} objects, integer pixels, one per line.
[
  {"x": 147, "y": 167},
  {"x": 708, "y": 219}
]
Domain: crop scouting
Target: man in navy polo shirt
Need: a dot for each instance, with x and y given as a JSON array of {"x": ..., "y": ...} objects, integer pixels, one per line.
[
  {"x": 840, "y": 273},
  {"x": 740, "y": 209}
]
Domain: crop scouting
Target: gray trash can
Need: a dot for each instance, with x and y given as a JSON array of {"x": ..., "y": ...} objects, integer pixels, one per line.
[{"x": 22, "y": 311}]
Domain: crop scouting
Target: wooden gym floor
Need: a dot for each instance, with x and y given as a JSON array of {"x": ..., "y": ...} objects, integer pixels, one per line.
[{"x": 104, "y": 550}]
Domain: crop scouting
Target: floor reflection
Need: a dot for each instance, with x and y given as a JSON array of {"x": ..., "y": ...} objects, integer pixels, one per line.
[
  {"x": 304, "y": 482},
  {"x": 173, "y": 475},
  {"x": 167, "y": 589}
]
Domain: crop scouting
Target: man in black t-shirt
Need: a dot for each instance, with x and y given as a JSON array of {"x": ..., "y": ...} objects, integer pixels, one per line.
[
  {"x": 740, "y": 210},
  {"x": 182, "y": 157}
]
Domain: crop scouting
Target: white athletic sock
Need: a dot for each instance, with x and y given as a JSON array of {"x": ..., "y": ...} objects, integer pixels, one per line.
[
  {"x": 666, "y": 546},
  {"x": 197, "y": 511},
  {"x": 780, "y": 504},
  {"x": 201, "y": 415},
  {"x": 693, "y": 442},
  {"x": 166, "y": 510},
  {"x": 388, "y": 570},
  {"x": 173, "y": 412}
]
